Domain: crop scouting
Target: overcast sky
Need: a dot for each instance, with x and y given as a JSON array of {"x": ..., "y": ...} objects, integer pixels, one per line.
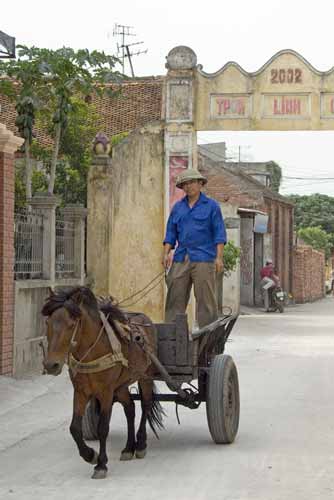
[{"x": 218, "y": 31}]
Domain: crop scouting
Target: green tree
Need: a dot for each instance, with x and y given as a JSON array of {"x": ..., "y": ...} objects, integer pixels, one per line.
[
  {"x": 315, "y": 210},
  {"x": 67, "y": 75},
  {"x": 49, "y": 83},
  {"x": 74, "y": 154},
  {"x": 316, "y": 238},
  {"x": 276, "y": 175},
  {"x": 22, "y": 81},
  {"x": 231, "y": 257}
]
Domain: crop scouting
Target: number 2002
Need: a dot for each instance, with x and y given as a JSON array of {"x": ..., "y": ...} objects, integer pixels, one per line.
[{"x": 286, "y": 75}]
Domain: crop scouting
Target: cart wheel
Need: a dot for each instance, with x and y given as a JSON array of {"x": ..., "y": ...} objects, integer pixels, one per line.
[
  {"x": 90, "y": 420},
  {"x": 222, "y": 400}
]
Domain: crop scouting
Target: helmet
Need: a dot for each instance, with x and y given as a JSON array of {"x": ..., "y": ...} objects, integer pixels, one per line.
[{"x": 190, "y": 175}]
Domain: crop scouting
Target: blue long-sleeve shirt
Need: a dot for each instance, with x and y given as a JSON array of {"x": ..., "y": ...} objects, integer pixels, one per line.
[{"x": 196, "y": 230}]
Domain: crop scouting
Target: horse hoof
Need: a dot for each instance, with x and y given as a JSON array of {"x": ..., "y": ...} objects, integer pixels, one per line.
[
  {"x": 94, "y": 459},
  {"x": 126, "y": 455},
  {"x": 99, "y": 474},
  {"x": 140, "y": 453}
]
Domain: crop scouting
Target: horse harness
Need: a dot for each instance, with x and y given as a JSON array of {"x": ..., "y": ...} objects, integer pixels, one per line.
[{"x": 130, "y": 332}]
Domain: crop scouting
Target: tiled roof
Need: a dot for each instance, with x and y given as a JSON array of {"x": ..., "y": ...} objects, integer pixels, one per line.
[
  {"x": 138, "y": 103},
  {"x": 229, "y": 182}
]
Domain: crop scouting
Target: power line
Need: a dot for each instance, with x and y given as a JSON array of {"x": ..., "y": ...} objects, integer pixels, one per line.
[{"x": 285, "y": 179}]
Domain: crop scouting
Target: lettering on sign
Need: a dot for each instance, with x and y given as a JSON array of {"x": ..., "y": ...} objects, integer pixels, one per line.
[
  {"x": 286, "y": 106},
  {"x": 327, "y": 105},
  {"x": 289, "y": 75},
  {"x": 223, "y": 106}
]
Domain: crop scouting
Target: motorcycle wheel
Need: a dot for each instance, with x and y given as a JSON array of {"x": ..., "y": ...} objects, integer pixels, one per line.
[{"x": 280, "y": 308}]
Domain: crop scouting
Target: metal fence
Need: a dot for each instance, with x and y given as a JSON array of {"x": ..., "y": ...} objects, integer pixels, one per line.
[
  {"x": 28, "y": 239},
  {"x": 64, "y": 248}
]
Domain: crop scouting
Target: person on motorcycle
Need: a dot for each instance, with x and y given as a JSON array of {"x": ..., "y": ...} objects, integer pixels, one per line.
[{"x": 269, "y": 281}]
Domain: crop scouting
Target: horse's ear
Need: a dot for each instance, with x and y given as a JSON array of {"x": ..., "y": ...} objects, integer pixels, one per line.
[{"x": 51, "y": 291}]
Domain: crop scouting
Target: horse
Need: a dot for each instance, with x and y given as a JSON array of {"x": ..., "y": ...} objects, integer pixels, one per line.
[{"x": 107, "y": 350}]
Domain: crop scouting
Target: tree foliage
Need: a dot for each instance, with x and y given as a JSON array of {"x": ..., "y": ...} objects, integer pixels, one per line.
[
  {"x": 276, "y": 175},
  {"x": 74, "y": 162},
  {"x": 315, "y": 210},
  {"x": 51, "y": 82},
  {"x": 231, "y": 257},
  {"x": 22, "y": 81},
  {"x": 70, "y": 75},
  {"x": 316, "y": 238}
]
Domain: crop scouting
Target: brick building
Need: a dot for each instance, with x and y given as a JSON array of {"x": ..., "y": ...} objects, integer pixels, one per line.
[{"x": 8, "y": 145}]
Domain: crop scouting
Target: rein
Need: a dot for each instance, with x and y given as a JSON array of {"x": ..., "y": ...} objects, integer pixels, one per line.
[{"x": 145, "y": 289}]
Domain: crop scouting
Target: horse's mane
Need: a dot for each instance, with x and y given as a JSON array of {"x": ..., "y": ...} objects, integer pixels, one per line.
[{"x": 72, "y": 297}]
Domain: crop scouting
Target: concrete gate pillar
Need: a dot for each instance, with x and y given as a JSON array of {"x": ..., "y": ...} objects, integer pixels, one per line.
[
  {"x": 180, "y": 133},
  {"x": 9, "y": 143},
  {"x": 78, "y": 214},
  {"x": 47, "y": 205},
  {"x": 178, "y": 113},
  {"x": 99, "y": 223}
]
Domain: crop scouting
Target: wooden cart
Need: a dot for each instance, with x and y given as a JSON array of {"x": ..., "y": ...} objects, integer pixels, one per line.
[{"x": 184, "y": 357}]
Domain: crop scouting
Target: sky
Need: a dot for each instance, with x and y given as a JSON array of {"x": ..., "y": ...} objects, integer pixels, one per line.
[{"x": 249, "y": 33}]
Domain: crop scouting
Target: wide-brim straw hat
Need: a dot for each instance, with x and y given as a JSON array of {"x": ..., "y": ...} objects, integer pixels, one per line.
[{"x": 190, "y": 175}]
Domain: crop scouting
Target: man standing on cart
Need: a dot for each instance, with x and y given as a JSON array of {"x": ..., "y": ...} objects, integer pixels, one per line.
[{"x": 196, "y": 230}]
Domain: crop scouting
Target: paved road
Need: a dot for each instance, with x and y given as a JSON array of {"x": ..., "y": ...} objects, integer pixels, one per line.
[{"x": 284, "y": 449}]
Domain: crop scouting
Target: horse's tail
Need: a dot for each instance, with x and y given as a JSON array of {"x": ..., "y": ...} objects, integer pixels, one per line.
[{"x": 156, "y": 413}]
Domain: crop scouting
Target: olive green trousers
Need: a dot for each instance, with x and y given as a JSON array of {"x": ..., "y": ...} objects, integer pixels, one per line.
[{"x": 181, "y": 277}]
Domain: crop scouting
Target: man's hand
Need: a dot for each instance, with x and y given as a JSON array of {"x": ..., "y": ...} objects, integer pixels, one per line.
[
  {"x": 167, "y": 261},
  {"x": 167, "y": 257},
  {"x": 219, "y": 265}
]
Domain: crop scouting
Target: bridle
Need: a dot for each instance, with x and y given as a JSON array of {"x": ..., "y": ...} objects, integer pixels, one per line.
[{"x": 74, "y": 343}]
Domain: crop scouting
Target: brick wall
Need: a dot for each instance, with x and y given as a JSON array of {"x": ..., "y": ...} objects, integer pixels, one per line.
[
  {"x": 6, "y": 262},
  {"x": 308, "y": 274}
]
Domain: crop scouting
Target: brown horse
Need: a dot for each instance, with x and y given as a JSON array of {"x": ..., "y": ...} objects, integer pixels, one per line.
[{"x": 79, "y": 335}]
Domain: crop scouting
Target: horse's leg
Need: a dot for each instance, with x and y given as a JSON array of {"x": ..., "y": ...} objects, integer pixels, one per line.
[
  {"x": 146, "y": 389},
  {"x": 152, "y": 412},
  {"x": 124, "y": 397},
  {"x": 100, "y": 470},
  {"x": 79, "y": 405}
]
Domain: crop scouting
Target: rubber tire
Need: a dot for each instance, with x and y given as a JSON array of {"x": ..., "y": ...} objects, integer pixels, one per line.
[
  {"x": 281, "y": 308},
  {"x": 90, "y": 420},
  {"x": 223, "y": 400}
]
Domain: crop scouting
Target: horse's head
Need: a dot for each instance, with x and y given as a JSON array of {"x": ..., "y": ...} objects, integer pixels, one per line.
[{"x": 64, "y": 311}]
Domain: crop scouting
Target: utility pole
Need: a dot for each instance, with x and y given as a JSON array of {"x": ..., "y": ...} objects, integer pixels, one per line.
[{"x": 123, "y": 49}]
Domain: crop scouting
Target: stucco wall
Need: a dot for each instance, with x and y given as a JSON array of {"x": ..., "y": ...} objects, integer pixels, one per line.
[
  {"x": 29, "y": 324},
  {"x": 125, "y": 221},
  {"x": 231, "y": 284}
]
